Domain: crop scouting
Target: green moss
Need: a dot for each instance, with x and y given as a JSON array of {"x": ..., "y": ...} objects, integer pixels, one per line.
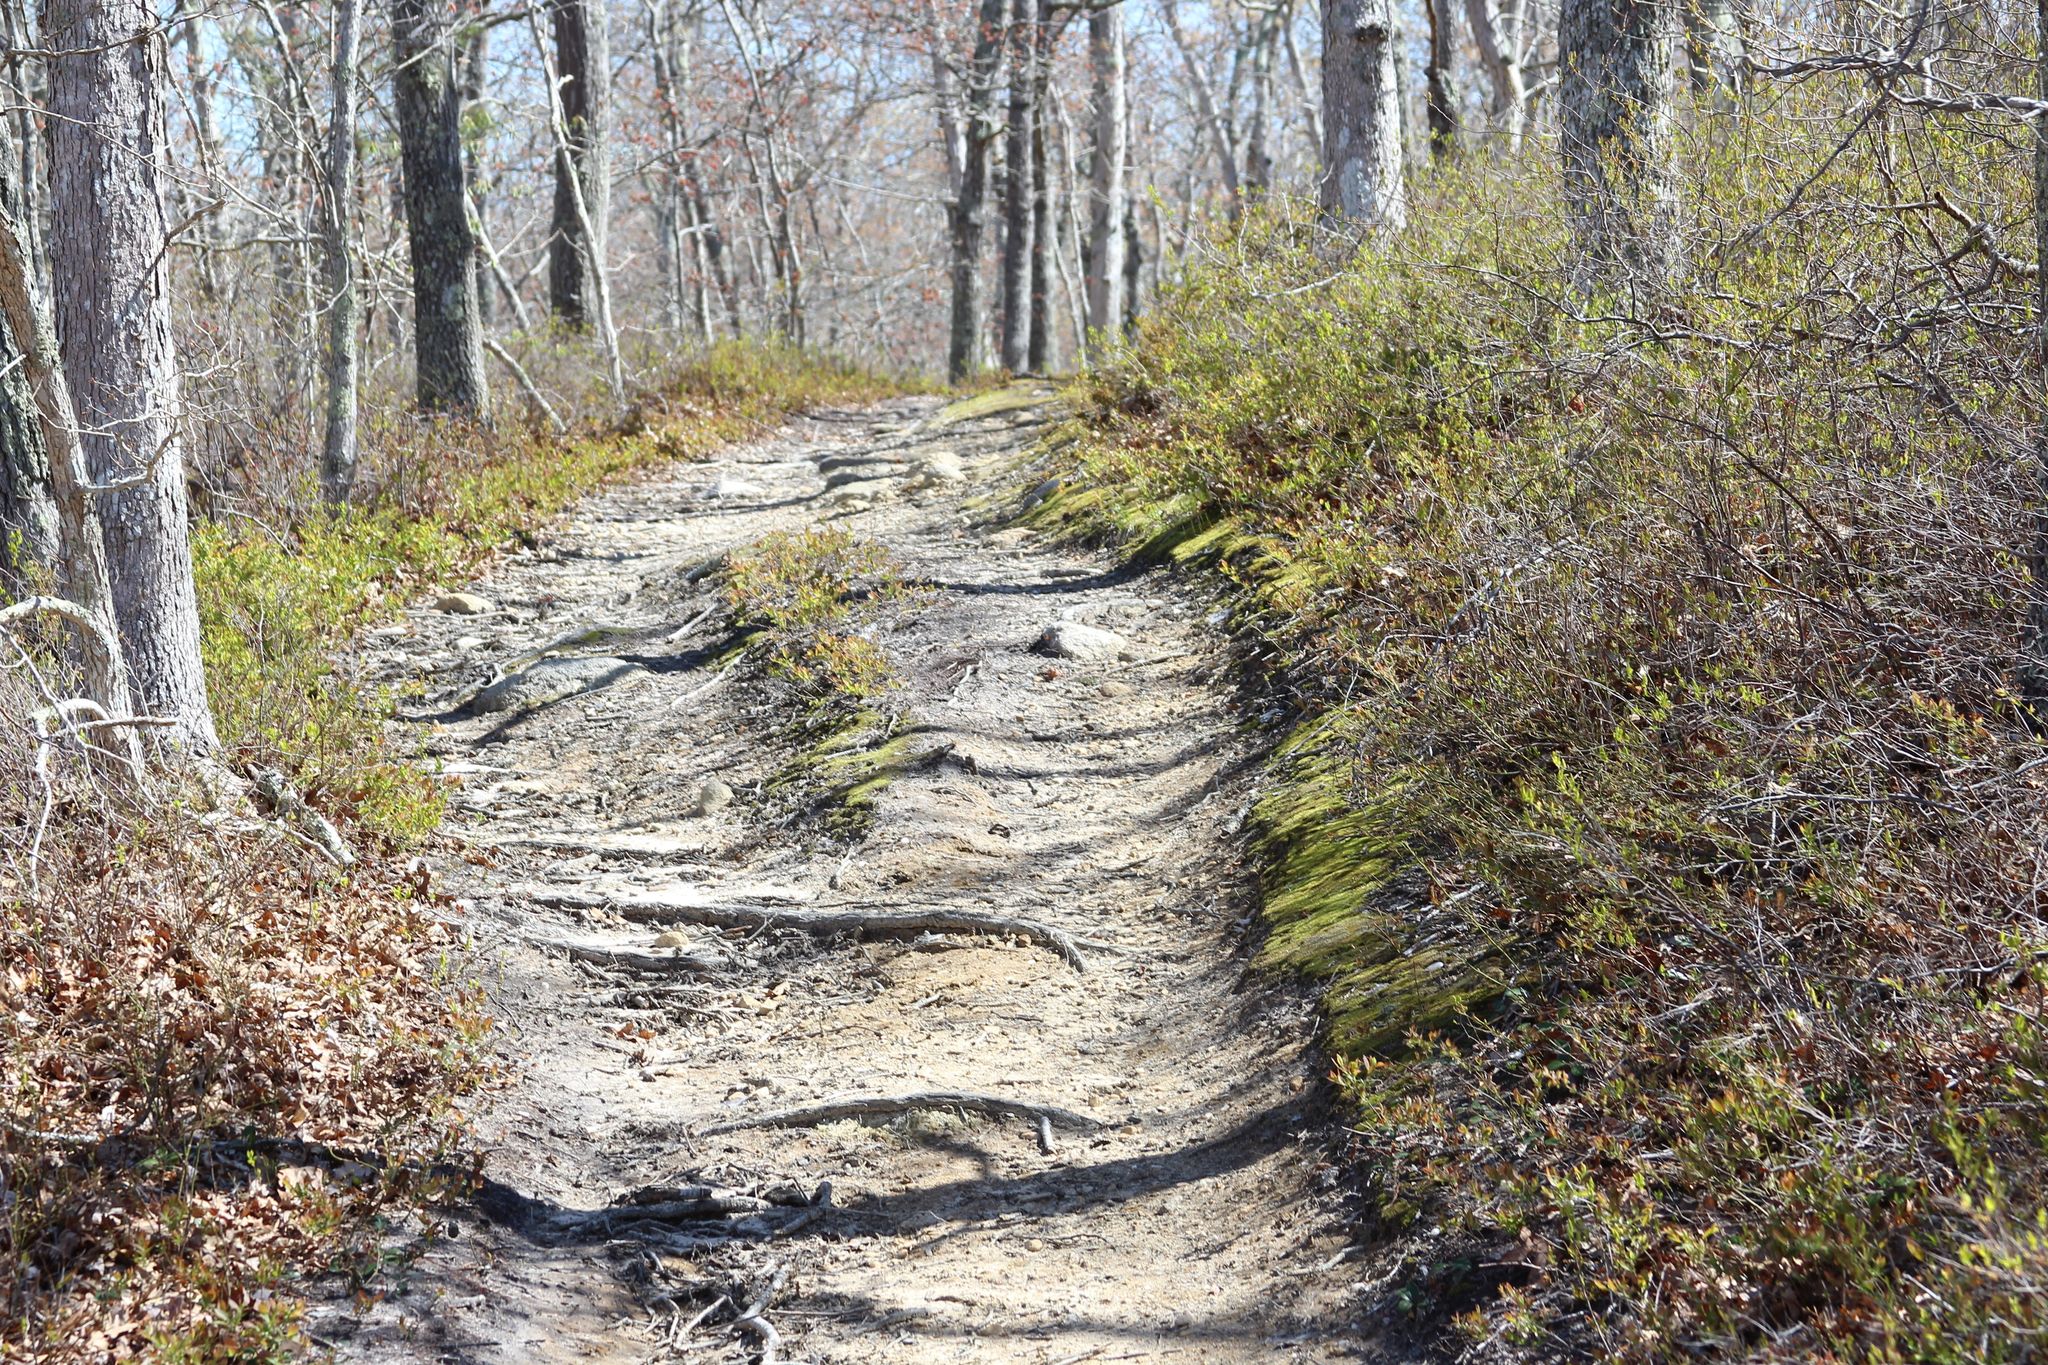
[
  {"x": 1337, "y": 906},
  {"x": 850, "y": 761},
  {"x": 1020, "y": 396}
]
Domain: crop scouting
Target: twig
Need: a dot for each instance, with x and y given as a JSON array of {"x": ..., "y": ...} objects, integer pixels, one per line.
[{"x": 758, "y": 1327}]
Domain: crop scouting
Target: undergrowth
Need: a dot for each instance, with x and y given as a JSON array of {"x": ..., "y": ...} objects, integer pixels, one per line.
[
  {"x": 815, "y": 601},
  {"x": 230, "y": 1070},
  {"x": 1658, "y": 816}
]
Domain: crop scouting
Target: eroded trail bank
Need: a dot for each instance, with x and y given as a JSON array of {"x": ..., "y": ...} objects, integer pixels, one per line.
[{"x": 971, "y": 1073}]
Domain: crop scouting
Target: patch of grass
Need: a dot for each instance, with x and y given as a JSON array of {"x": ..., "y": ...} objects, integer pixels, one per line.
[
  {"x": 810, "y": 593},
  {"x": 1657, "y": 828}
]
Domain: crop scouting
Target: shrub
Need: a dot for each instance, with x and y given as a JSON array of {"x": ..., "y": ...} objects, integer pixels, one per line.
[{"x": 1659, "y": 818}]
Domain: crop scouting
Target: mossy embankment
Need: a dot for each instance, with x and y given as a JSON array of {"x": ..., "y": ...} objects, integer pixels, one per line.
[{"x": 1655, "y": 816}]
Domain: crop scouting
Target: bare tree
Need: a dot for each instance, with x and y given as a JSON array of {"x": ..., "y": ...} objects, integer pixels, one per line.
[
  {"x": 1440, "y": 93},
  {"x": 338, "y": 449},
  {"x": 965, "y": 350},
  {"x": 447, "y": 326},
  {"x": 583, "y": 173},
  {"x": 1362, "y": 159},
  {"x": 1617, "y": 76},
  {"x": 1017, "y": 187},
  {"x": 108, "y": 144},
  {"x": 1109, "y": 149},
  {"x": 1498, "y": 31}
]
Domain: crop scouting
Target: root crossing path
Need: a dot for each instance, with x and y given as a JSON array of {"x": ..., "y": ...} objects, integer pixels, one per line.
[{"x": 967, "y": 1070}]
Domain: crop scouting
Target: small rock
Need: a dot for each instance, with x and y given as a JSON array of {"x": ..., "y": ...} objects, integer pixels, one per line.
[
  {"x": 1113, "y": 688},
  {"x": 467, "y": 643},
  {"x": 939, "y": 467},
  {"x": 730, "y": 487},
  {"x": 847, "y": 478},
  {"x": 551, "y": 680},
  {"x": 1083, "y": 643},
  {"x": 863, "y": 491},
  {"x": 713, "y": 796},
  {"x": 848, "y": 501},
  {"x": 1034, "y": 1245},
  {"x": 673, "y": 938},
  {"x": 1012, "y": 537},
  {"x": 1041, "y": 493},
  {"x": 462, "y": 604}
]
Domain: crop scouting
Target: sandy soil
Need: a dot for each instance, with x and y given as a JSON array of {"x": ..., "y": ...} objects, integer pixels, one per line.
[{"x": 1193, "y": 1217}]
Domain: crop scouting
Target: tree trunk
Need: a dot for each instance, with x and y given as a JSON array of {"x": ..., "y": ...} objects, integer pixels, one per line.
[
  {"x": 1109, "y": 148},
  {"x": 338, "y": 450},
  {"x": 1134, "y": 267},
  {"x": 1258, "y": 142},
  {"x": 80, "y": 560},
  {"x": 1714, "y": 52},
  {"x": 1220, "y": 138},
  {"x": 108, "y": 147},
  {"x": 582, "y": 55},
  {"x": 447, "y": 327},
  {"x": 1615, "y": 85},
  {"x": 1362, "y": 160},
  {"x": 1497, "y": 32},
  {"x": 966, "y": 347},
  {"x": 476, "y": 61},
  {"x": 1043, "y": 355},
  {"x": 1441, "y": 93},
  {"x": 28, "y": 505},
  {"x": 1017, "y": 188}
]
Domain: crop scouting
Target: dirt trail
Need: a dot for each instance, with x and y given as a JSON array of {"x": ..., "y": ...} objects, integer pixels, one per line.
[{"x": 1192, "y": 1220}]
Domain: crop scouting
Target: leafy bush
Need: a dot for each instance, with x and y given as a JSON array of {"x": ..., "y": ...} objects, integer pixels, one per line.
[{"x": 1659, "y": 817}]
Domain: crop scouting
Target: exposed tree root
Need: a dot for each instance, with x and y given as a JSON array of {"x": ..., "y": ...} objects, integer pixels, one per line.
[
  {"x": 878, "y": 923},
  {"x": 856, "y": 1107},
  {"x": 603, "y": 953}
]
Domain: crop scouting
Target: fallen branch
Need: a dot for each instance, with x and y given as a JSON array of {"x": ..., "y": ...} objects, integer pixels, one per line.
[
  {"x": 758, "y": 1327},
  {"x": 696, "y": 1203},
  {"x": 822, "y": 923},
  {"x": 831, "y": 1111}
]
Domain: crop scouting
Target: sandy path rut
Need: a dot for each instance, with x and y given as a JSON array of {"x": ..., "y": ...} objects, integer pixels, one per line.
[{"x": 1194, "y": 1222}]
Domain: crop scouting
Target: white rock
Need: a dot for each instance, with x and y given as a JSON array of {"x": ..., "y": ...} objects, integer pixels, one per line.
[
  {"x": 462, "y": 604},
  {"x": 713, "y": 796},
  {"x": 1084, "y": 643},
  {"x": 729, "y": 487},
  {"x": 467, "y": 643},
  {"x": 939, "y": 467}
]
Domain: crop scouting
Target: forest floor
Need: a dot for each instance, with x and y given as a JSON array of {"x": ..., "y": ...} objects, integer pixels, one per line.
[{"x": 1180, "y": 1206}]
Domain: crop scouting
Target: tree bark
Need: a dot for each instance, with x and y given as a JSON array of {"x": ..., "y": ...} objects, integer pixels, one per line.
[
  {"x": 1109, "y": 148},
  {"x": 80, "y": 561},
  {"x": 1017, "y": 188},
  {"x": 1714, "y": 52},
  {"x": 1043, "y": 357},
  {"x": 338, "y": 449},
  {"x": 1440, "y": 92},
  {"x": 966, "y": 346},
  {"x": 1616, "y": 81},
  {"x": 447, "y": 325},
  {"x": 28, "y": 502},
  {"x": 1497, "y": 33},
  {"x": 108, "y": 155},
  {"x": 582, "y": 56},
  {"x": 1362, "y": 158}
]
